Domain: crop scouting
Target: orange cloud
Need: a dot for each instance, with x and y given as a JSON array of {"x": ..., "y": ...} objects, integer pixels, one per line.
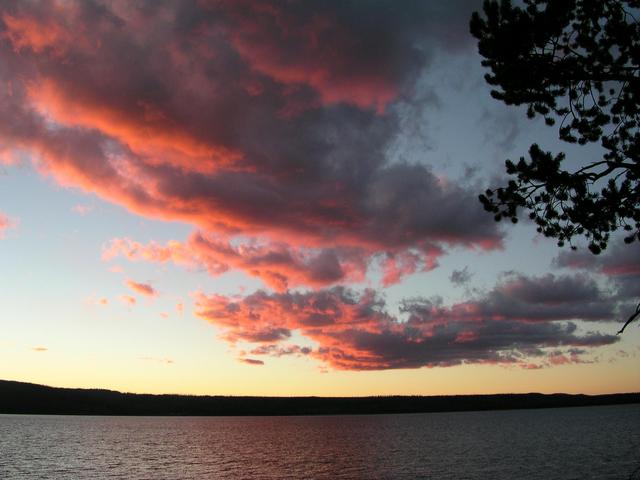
[
  {"x": 27, "y": 32},
  {"x": 145, "y": 130}
]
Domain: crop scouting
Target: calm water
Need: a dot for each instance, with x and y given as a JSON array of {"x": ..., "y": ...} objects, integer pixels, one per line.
[{"x": 571, "y": 443}]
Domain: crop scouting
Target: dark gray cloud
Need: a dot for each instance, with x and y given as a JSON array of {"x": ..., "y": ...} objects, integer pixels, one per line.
[
  {"x": 460, "y": 277},
  {"x": 618, "y": 259},
  {"x": 523, "y": 298},
  {"x": 620, "y": 263},
  {"x": 455, "y": 343}
]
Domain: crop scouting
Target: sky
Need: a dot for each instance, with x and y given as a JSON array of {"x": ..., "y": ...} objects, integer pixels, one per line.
[{"x": 270, "y": 198}]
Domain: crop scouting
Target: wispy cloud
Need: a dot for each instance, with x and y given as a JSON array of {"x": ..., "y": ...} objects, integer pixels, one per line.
[
  {"x": 82, "y": 209},
  {"x": 100, "y": 301}
]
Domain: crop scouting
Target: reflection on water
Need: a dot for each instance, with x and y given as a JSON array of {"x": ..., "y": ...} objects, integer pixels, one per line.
[{"x": 571, "y": 443}]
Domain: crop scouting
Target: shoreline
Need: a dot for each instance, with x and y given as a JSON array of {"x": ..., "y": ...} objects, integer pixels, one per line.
[{"x": 28, "y": 398}]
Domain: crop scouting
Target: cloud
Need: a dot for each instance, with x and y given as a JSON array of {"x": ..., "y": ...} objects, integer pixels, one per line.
[
  {"x": 5, "y": 224},
  {"x": 128, "y": 299},
  {"x": 82, "y": 209},
  {"x": 620, "y": 264},
  {"x": 520, "y": 319},
  {"x": 287, "y": 151},
  {"x": 338, "y": 50},
  {"x": 279, "y": 351},
  {"x": 267, "y": 127},
  {"x": 40, "y": 349},
  {"x": 251, "y": 361},
  {"x": 277, "y": 264},
  {"x": 460, "y": 277},
  {"x": 142, "y": 288},
  {"x": 502, "y": 128},
  {"x": 100, "y": 301},
  {"x": 526, "y": 299},
  {"x": 620, "y": 259},
  {"x": 551, "y": 291}
]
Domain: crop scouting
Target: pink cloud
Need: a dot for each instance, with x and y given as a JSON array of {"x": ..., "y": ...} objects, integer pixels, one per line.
[
  {"x": 559, "y": 359},
  {"x": 142, "y": 288},
  {"x": 5, "y": 224},
  {"x": 312, "y": 200},
  {"x": 251, "y": 361},
  {"x": 128, "y": 299},
  {"x": 355, "y": 331},
  {"x": 100, "y": 301},
  {"x": 277, "y": 264},
  {"x": 397, "y": 266},
  {"x": 532, "y": 366}
]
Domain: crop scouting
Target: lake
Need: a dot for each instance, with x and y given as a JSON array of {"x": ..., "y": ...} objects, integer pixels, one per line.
[{"x": 564, "y": 443}]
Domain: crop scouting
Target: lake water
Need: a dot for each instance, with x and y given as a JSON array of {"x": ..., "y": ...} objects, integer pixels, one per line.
[{"x": 570, "y": 443}]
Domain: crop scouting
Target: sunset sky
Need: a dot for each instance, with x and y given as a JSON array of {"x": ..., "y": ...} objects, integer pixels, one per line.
[{"x": 280, "y": 198}]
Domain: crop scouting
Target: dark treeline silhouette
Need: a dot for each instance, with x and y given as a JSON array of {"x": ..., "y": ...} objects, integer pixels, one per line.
[{"x": 28, "y": 398}]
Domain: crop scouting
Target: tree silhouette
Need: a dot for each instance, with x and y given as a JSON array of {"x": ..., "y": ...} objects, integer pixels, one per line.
[{"x": 576, "y": 64}]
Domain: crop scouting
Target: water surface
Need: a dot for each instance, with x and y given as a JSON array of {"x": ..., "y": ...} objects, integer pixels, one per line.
[{"x": 567, "y": 443}]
